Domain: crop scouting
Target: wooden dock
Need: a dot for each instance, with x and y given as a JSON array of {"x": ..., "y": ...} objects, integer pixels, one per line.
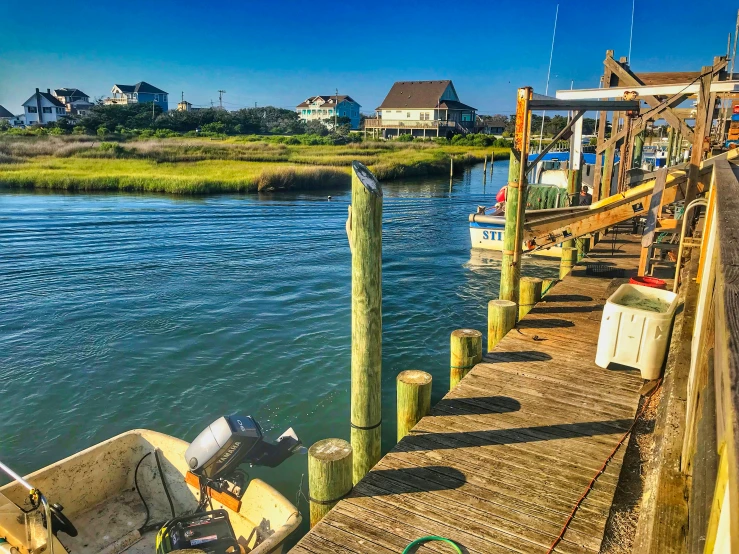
[{"x": 501, "y": 461}]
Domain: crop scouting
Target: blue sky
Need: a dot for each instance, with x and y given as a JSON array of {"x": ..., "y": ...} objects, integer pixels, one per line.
[{"x": 281, "y": 52}]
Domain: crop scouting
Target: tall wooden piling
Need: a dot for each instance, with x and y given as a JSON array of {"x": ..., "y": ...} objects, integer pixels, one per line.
[
  {"x": 451, "y": 166},
  {"x": 466, "y": 352},
  {"x": 569, "y": 256},
  {"x": 485, "y": 170},
  {"x": 501, "y": 319},
  {"x": 329, "y": 476},
  {"x": 414, "y": 399},
  {"x": 670, "y": 145},
  {"x": 515, "y": 201},
  {"x": 365, "y": 239},
  {"x": 530, "y": 295}
]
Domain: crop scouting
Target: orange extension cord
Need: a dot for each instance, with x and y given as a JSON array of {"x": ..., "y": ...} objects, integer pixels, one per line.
[{"x": 602, "y": 469}]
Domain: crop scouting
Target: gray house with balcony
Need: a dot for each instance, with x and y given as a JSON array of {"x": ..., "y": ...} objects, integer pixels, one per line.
[{"x": 140, "y": 93}]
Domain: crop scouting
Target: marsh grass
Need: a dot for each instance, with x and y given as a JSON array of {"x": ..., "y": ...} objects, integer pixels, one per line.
[{"x": 197, "y": 166}]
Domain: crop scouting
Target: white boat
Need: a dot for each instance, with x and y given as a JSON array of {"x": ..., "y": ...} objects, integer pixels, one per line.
[
  {"x": 118, "y": 494},
  {"x": 486, "y": 232}
]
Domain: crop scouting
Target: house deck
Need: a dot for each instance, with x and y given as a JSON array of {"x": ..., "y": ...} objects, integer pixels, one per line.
[{"x": 502, "y": 459}]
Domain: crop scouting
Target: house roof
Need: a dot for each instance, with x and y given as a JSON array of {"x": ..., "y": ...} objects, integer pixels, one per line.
[
  {"x": 328, "y": 99},
  {"x": 418, "y": 94},
  {"x": 141, "y": 86},
  {"x": 5, "y": 113},
  {"x": 454, "y": 105},
  {"x": 50, "y": 97},
  {"x": 69, "y": 92}
]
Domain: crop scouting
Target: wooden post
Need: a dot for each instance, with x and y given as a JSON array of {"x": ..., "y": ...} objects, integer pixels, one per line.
[
  {"x": 547, "y": 284},
  {"x": 515, "y": 201},
  {"x": 602, "y": 117},
  {"x": 501, "y": 319},
  {"x": 365, "y": 239},
  {"x": 451, "y": 166},
  {"x": 485, "y": 171},
  {"x": 605, "y": 185},
  {"x": 414, "y": 399},
  {"x": 568, "y": 261},
  {"x": 699, "y": 132},
  {"x": 329, "y": 476},
  {"x": 466, "y": 351},
  {"x": 530, "y": 295}
]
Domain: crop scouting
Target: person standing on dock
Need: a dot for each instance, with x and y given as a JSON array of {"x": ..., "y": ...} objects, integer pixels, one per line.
[{"x": 585, "y": 197}]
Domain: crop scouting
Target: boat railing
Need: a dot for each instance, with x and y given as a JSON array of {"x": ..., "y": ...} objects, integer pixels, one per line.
[{"x": 39, "y": 496}]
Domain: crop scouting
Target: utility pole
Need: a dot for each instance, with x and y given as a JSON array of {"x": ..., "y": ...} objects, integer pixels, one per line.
[
  {"x": 336, "y": 108},
  {"x": 220, "y": 97},
  {"x": 153, "y": 104}
]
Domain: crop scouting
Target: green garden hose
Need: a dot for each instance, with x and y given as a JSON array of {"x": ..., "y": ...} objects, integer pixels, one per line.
[{"x": 430, "y": 538}]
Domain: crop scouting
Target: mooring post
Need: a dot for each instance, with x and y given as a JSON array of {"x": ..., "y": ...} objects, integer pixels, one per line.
[
  {"x": 638, "y": 150},
  {"x": 515, "y": 201},
  {"x": 547, "y": 284},
  {"x": 466, "y": 351},
  {"x": 451, "y": 166},
  {"x": 365, "y": 239},
  {"x": 414, "y": 399},
  {"x": 569, "y": 255},
  {"x": 329, "y": 476},
  {"x": 670, "y": 145},
  {"x": 530, "y": 295},
  {"x": 501, "y": 319},
  {"x": 485, "y": 170}
]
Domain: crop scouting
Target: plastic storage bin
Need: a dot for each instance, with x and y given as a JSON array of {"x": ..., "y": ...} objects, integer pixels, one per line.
[{"x": 632, "y": 333}]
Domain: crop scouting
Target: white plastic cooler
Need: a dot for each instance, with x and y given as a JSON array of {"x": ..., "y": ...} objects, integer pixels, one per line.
[{"x": 633, "y": 336}]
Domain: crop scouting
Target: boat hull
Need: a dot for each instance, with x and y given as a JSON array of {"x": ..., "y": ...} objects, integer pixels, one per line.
[{"x": 489, "y": 236}]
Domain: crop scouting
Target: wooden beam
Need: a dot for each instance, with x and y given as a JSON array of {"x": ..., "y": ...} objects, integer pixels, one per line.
[
  {"x": 602, "y": 120},
  {"x": 628, "y": 78},
  {"x": 696, "y": 154}
]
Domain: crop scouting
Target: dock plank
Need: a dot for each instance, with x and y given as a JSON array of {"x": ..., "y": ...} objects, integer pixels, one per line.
[{"x": 501, "y": 460}]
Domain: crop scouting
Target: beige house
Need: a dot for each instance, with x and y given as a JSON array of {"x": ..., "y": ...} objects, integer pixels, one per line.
[{"x": 422, "y": 109}]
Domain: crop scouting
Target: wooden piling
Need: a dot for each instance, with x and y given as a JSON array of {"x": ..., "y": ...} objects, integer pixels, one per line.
[
  {"x": 530, "y": 295},
  {"x": 569, "y": 255},
  {"x": 583, "y": 247},
  {"x": 670, "y": 145},
  {"x": 515, "y": 201},
  {"x": 466, "y": 351},
  {"x": 451, "y": 166},
  {"x": 414, "y": 399},
  {"x": 485, "y": 170},
  {"x": 329, "y": 476},
  {"x": 365, "y": 237},
  {"x": 547, "y": 284},
  {"x": 501, "y": 319}
]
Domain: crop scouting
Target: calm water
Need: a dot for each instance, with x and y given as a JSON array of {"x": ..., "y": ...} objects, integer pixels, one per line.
[{"x": 122, "y": 311}]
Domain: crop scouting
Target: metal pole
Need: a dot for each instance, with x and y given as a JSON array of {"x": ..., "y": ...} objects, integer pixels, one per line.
[
  {"x": 549, "y": 72},
  {"x": 631, "y": 32}
]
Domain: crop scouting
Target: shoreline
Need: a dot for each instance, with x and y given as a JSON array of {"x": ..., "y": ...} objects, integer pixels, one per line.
[{"x": 197, "y": 168}]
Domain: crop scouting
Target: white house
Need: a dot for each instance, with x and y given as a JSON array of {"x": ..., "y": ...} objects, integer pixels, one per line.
[
  {"x": 75, "y": 101},
  {"x": 43, "y": 108},
  {"x": 324, "y": 108},
  {"x": 421, "y": 109}
]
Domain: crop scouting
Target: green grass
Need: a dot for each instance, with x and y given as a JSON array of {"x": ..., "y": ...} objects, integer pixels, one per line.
[{"x": 197, "y": 166}]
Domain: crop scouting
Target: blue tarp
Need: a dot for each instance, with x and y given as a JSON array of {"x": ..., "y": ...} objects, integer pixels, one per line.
[{"x": 589, "y": 158}]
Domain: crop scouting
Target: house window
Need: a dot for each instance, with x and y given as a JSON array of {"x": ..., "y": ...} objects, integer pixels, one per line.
[
  {"x": 408, "y": 114},
  {"x": 32, "y": 109},
  {"x": 60, "y": 110},
  {"x": 46, "y": 109}
]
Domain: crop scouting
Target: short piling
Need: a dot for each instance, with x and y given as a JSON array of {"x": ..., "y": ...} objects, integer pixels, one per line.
[
  {"x": 569, "y": 255},
  {"x": 466, "y": 352},
  {"x": 365, "y": 239},
  {"x": 485, "y": 170},
  {"x": 451, "y": 166},
  {"x": 547, "y": 284},
  {"x": 414, "y": 399},
  {"x": 530, "y": 294},
  {"x": 329, "y": 475},
  {"x": 501, "y": 319}
]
